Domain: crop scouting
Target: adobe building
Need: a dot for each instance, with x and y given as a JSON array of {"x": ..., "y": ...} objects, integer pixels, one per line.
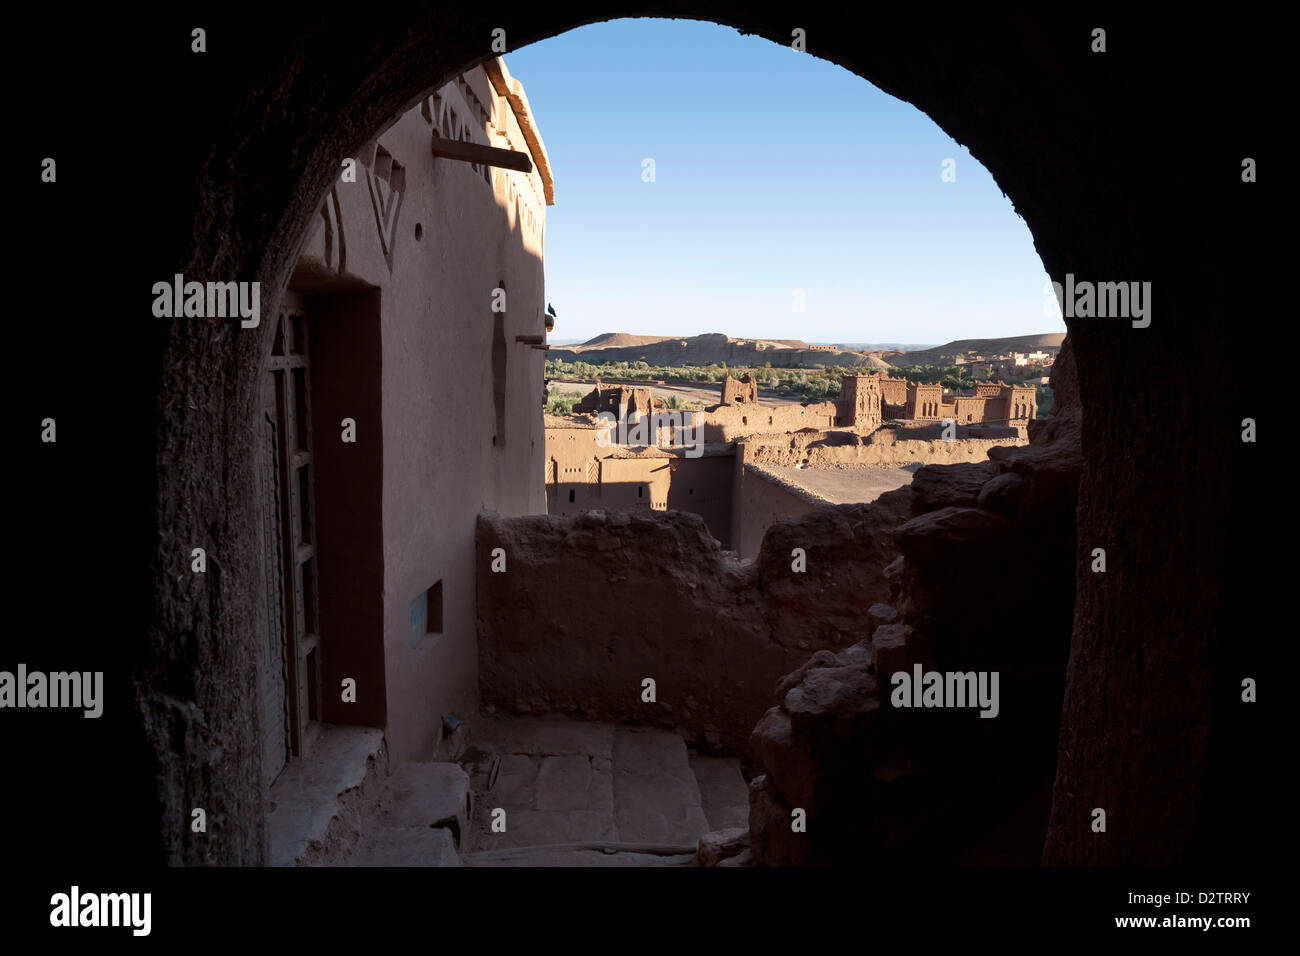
[
  {"x": 616, "y": 399},
  {"x": 743, "y": 389},
  {"x": 739, "y": 413},
  {"x": 893, "y": 391},
  {"x": 990, "y": 402},
  {"x": 594, "y": 466},
  {"x": 859, "y": 402},
  {"x": 587, "y": 470},
  {"x": 367, "y": 523}
]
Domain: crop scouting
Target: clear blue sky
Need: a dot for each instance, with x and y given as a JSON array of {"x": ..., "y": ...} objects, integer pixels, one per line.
[{"x": 775, "y": 171}]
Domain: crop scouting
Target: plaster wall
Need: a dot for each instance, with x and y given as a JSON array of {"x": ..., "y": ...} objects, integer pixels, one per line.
[{"x": 453, "y": 378}]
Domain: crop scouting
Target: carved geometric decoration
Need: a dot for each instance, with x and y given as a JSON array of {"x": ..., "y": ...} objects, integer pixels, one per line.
[
  {"x": 336, "y": 249},
  {"x": 386, "y": 181}
]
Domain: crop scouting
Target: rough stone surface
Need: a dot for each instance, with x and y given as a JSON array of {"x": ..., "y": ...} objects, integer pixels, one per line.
[
  {"x": 724, "y": 795},
  {"x": 892, "y": 782},
  {"x": 721, "y": 845},
  {"x": 847, "y": 548},
  {"x": 743, "y": 858},
  {"x": 773, "y": 842},
  {"x": 896, "y": 647},
  {"x": 949, "y": 486},
  {"x": 425, "y": 795},
  {"x": 317, "y": 803},
  {"x": 881, "y": 613},
  {"x": 942, "y": 536},
  {"x": 777, "y": 749},
  {"x": 1003, "y": 493},
  {"x": 408, "y": 846}
]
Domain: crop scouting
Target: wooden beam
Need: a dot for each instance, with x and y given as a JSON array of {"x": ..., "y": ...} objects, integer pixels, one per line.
[{"x": 489, "y": 155}]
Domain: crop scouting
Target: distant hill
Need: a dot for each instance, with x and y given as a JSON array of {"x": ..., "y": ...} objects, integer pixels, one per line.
[
  {"x": 1015, "y": 343},
  {"x": 615, "y": 340},
  {"x": 711, "y": 348},
  {"x": 882, "y": 346},
  {"x": 714, "y": 348}
]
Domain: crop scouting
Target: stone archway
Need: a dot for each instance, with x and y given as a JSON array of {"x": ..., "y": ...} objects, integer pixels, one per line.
[{"x": 1050, "y": 122}]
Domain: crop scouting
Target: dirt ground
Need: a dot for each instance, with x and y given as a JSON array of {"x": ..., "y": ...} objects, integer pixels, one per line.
[
  {"x": 703, "y": 396},
  {"x": 848, "y": 484}
]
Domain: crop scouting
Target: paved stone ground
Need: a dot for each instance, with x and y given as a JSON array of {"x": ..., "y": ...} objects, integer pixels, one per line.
[
  {"x": 418, "y": 819},
  {"x": 589, "y": 794}
]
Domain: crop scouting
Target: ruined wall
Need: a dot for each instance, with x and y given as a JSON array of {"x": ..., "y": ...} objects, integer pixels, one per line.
[
  {"x": 590, "y": 605},
  {"x": 880, "y": 782},
  {"x": 618, "y": 400},
  {"x": 729, "y": 422},
  {"x": 883, "y": 446},
  {"x": 743, "y": 389},
  {"x": 764, "y": 500}
]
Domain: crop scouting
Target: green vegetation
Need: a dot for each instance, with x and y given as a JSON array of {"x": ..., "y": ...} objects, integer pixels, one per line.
[
  {"x": 676, "y": 402},
  {"x": 1045, "y": 401},
  {"x": 561, "y": 403},
  {"x": 813, "y": 384}
]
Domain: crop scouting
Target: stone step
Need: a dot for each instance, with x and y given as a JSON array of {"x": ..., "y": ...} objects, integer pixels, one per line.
[
  {"x": 419, "y": 818},
  {"x": 317, "y": 803},
  {"x": 724, "y": 794}
]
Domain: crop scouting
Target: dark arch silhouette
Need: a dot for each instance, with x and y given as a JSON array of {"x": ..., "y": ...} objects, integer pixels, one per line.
[{"x": 1092, "y": 149}]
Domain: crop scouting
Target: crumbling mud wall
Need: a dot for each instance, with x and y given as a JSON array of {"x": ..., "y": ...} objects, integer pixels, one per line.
[
  {"x": 583, "y": 609},
  {"x": 729, "y": 422},
  {"x": 587, "y": 607},
  {"x": 938, "y": 784},
  {"x": 884, "y": 446}
]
